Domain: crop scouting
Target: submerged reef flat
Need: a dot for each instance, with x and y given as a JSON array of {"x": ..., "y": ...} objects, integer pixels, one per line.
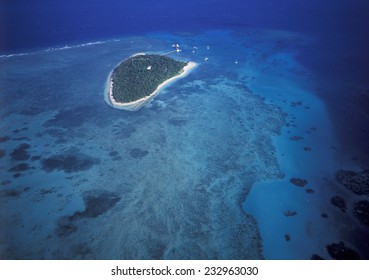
[
  {"x": 135, "y": 81},
  {"x": 167, "y": 182}
]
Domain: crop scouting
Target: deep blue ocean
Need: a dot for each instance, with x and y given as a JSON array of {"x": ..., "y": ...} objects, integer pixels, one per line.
[{"x": 261, "y": 152}]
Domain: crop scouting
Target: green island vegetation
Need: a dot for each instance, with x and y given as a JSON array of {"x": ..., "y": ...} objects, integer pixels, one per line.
[{"x": 140, "y": 75}]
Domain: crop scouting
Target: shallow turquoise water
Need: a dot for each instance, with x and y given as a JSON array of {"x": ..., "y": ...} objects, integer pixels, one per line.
[{"x": 202, "y": 172}]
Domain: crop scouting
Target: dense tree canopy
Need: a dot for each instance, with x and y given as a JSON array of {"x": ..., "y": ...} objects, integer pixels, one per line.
[{"x": 140, "y": 75}]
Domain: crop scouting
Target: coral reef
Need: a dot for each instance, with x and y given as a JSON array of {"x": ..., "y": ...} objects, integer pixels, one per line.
[
  {"x": 19, "y": 167},
  {"x": 339, "y": 202},
  {"x": 316, "y": 257},
  {"x": 69, "y": 162},
  {"x": 298, "y": 182},
  {"x": 4, "y": 139},
  {"x": 21, "y": 153},
  {"x": 357, "y": 182},
  {"x": 96, "y": 203},
  {"x": 290, "y": 213},
  {"x": 138, "y": 153},
  {"x": 361, "y": 211},
  {"x": 341, "y": 252},
  {"x": 34, "y": 158}
]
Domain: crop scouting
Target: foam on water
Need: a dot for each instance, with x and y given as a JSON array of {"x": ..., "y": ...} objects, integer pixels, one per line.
[{"x": 66, "y": 47}]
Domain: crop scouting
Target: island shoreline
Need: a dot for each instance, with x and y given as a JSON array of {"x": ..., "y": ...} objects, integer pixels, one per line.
[{"x": 137, "y": 104}]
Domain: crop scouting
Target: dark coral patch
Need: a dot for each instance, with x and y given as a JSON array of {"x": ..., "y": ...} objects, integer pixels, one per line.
[
  {"x": 21, "y": 153},
  {"x": 34, "y": 158},
  {"x": 113, "y": 153},
  {"x": 81, "y": 249},
  {"x": 296, "y": 104},
  {"x": 2, "y": 153},
  {"x": 296, "y": 138},
  {"x": 10, "y": 193},
  {"x": 361, "y": 211},
  {"x": 177, "y": 121},
  {"x": 290, "y": 213},
  {"x": 339, "y": 202},
  {"x": 65, "y": 227},
  {"x": 96, "y": 203},
  {"x": 4, "y": 139},
  {"x": 324, "y": 215},
  {"x": 310, "y": 191},
  {"x": 19, "y": 167},
  {"x": 298, "y": 182},
  {"x": 69, "y": 162},
  {"x": 124, "y": 132},
  {"x": 357, "y": 182},
  {"x": 115, "y": 156},
  {"x": 138, "y": 153},
  {"x": 307, "y": 149},
  {"x": 316, "y": 257},
  {"x": 341, "y": 252},
  {"x": 287, "y": 237},
  {"x": 118, "y": 158},
  {"x": 73, "y": 117},
  {"x": 24, "y": 138}
]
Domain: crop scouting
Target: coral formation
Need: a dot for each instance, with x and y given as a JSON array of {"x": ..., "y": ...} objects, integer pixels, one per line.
[
  {"x": 138, "y": 153},
  {"x": 19, "y": 167},
  {"x": 316, "y": 257},
  {"x": 69, "y": 162},
  {"x": 361, "y": 211},
  {"x": 21, "y": 153},
  {"x": 290, "y": 213},
  {"x": 357, "y": 182},
  {"x": 298, "y": 182},
  {"x": 96, "y": 203},
  {"x": 339, "y": 202},
  {"x": 324, "y": 215},
  {"x": 4, "y": 139},
  {"x": 341, "y": 252}
]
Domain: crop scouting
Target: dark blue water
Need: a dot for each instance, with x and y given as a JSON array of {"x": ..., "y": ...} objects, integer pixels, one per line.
[
  {"x": 206, "y": 170},
  {"x": 43, "y": 23}
]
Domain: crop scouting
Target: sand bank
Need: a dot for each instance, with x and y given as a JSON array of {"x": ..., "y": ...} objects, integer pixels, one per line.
[{"x": 135, "y": 105}]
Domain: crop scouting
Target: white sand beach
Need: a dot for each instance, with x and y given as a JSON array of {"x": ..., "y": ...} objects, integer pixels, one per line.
[{"x": 135, "y": 105}]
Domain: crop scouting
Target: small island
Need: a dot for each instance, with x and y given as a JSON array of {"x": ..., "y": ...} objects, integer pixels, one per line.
[{"x": 136, "y": 80}]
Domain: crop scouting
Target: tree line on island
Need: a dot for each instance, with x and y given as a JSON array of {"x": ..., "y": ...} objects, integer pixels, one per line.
[{"x": 140, "y": 75}]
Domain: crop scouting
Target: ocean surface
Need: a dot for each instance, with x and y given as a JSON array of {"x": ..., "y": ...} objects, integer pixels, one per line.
[{"x": 261, "y": 152}]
